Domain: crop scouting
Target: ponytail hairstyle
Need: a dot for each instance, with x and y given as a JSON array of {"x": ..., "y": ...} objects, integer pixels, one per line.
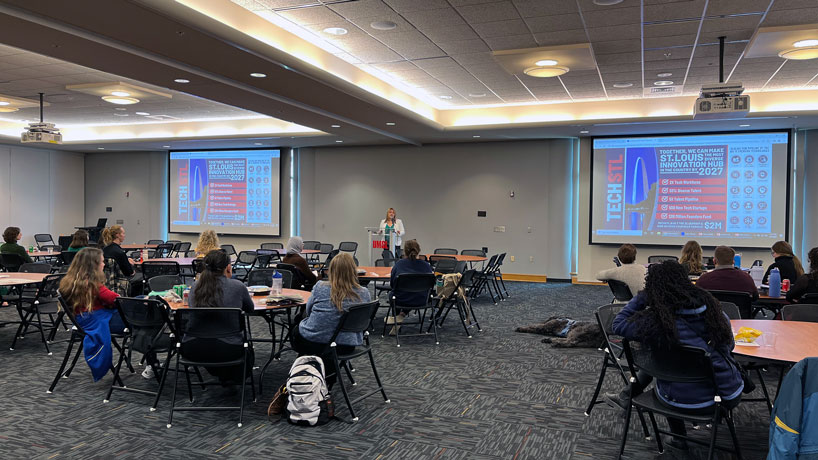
[
  {"x": 343, "y": 280},
  {"x": 80, "y": 285},
  {"x": 783, "y": 248},
  {"x": 411, "y": 249},
  {"x": 208, "y": 292}
]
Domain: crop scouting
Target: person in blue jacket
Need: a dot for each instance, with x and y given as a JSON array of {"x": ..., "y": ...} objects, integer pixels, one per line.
[
  {"x": 671, "y": 311},
  {"x": 793, "y": 424}
]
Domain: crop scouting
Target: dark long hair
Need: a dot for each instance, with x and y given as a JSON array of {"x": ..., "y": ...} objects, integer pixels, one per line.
[
  {"x": 813, "y": 263},
  {"x": 668, "y": 290},
  {"x": 208, "y": 292}
]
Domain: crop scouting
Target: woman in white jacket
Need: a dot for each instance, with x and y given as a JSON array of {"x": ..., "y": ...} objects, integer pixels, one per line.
[{"x": 392, "y": 223}]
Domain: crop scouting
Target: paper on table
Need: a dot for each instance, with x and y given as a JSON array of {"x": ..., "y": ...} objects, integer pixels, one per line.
[{"x": 747, "y": 344}]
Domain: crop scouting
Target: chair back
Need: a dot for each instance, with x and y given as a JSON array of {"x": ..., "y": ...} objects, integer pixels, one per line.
[
  {"x": 35, "y": 268},
  {"x": 489, "y": 267},
  {"x": 445, "y": 265},
  {"x": 620, "y": 290},
  {"x": 159, "y": 268},
  {"x": 314, "y": 245},
  {"x": 64, "y": 241},
  {"x": 730, "y": 309},
  {"x": 164, "y": 282},
  {"x": 43, "y": 238},
  {"x": 385, "y": 262},
  {"x": 387, "y": 254},
  {"x": 246, "y": 258},
  {"x": 155, "y": 242},
  {"x": 331, "y": 254},
  {"x": 660, "y": 259},
  {"x": 326, "y": 248},
  {"x": 811, "y": 298},
  {"x": 605, "y": 316},
  {"x": 683, "y": 364},
  {"x": 433, "y": 260},
  {"x": 163, "y": 250},
  {"x": 67, "y": 257},
  {"x": 292, "y": 276},
  {"x": 53, "y": 247},
  {"x": 47, "y": 290},
  {"x": 146, "y": 319},
  {"x": 415, "y": 282},
  {"x": 800, "y": 312},
  {"x": 209, "y": 325},
  {"x": 473, "y": 252},
  {"x": 709, "y": 263},
  {"x": 348, "y": 246},
  {"x": 230, "y": 250},
  {"x": 115, "y": 280},
  {"x": 743, "y": 300},
  {"x": 261, "y": 277},
  {"x": 173, "y": 241},
  {"x": 11, "y": 262},
  {"x": 446, "y": 251},
  {"x": 69, "y": 312},
  {"x": 264, "y": 256},
  {"x": 180, "y": 249},
  {"x": 102, "y": 222},
  {"x": 356, "y": 318},
  {"x": 500, "y": 259},
  {"x": 271, "y": 246}
]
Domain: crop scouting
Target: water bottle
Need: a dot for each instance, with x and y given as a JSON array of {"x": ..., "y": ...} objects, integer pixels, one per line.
[
  {"x": 737, "y": 260},
  {"x": 277, "y": 281},
  {"x": 143, "y": 255},
  {"x": 757, "y": 273},
  {"x": 30, "y": 249},
  {"x": 775, "y": 283}
]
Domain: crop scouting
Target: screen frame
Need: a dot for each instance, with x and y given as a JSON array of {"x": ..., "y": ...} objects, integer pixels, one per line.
[
  {"x": 790, "y": 133},
  {"x": 280, "y": 179}
]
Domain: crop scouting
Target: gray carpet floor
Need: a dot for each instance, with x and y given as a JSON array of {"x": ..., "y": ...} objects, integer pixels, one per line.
[{"x": 498, "y": 395}]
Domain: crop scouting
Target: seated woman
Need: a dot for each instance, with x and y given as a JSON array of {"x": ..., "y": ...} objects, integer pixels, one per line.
[
  {"x": 11, "y": 236},
  {"x": 112, "y": 237},
  {"x": 324, "y": 310},
  {"x": 692, "y": 258},
  {"x": 808, "y": 282},
  {"x": 409, "y": 264},
  {"x": 787, "y": 263},
  {"x": 93, "y": 306},
  {"x": 79, "y": 241},
  {"x": 294, "y": 247},
  {"x": 671, "y": 311},
  {"x": 216, "y": 288},
  {"x": 208, "y": 241}
]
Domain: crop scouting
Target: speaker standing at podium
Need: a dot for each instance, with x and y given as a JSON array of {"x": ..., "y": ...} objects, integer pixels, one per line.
[{"x": 392, "y": 223}]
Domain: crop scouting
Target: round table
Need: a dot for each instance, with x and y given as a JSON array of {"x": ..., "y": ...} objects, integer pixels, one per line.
[
  {"x": 795, "y": 341},
  {"x": 260, "y": 301},
  {"x": 458, "y": 257},
  {"x": 19, "y": 279},
  {"x": 375, "y": 273}
]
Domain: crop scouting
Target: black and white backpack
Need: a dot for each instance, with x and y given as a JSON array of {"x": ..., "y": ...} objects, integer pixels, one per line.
[{"x": 308, "y": 402}]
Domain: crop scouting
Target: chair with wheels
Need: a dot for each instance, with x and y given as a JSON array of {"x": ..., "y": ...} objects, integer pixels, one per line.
[
  {"x": 659, "y": 259},
  {"x": 201, "y": 332},
  {"x": 620, "y": 290},
  {"x": 412, "y": 283},
  {"x": 800, "y": 312}
]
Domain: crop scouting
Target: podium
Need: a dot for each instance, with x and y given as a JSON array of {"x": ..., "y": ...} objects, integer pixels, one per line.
[{"x": 378, "y": 242}]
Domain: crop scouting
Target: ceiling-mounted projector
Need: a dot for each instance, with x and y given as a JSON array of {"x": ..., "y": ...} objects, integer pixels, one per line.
[
  {"x": 41, "y": 132},
  {"x": 721, "y": 100}
]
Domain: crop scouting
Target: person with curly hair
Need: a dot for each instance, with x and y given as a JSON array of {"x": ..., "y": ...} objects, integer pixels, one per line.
[
  {"x": 692, "y": 258},
  {"x": 670, "y": 312},
  {"x": 208, "y": 241},
  {"x": 808, "y": 282}
]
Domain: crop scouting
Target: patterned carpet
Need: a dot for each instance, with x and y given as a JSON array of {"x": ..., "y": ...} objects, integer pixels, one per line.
[{"x": 499, "y": 395}]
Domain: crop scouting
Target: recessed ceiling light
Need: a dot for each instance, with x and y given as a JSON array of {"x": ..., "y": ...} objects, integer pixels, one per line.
[
  {"x": 622, "y": 85},
  {"x": 258, "y": 75},
  {"x": 663, "y": 83},
  {"x": 8, "y": 109},
  {"x": 477, "y": 94},
  {"x": 803, "y": 43},
  {"x": 743, "y": 126},
  {"x": 120, "y": 108},
  {"x": 257, "y": 143},
  {"x": 584, "y": 131},
  {"x": 120, "y": 114},
  {"x": 800, "y": 54},
  {"x": 390, "y": 123},
  {"x": 546, "y": 72},
  {"x": 383, "y": 25},
  {"x": 546, "y": 62},
  {"x": 144, "y": 114},
  {"x": 120, "y": 100},
  {"x": 120, "y": 93},
  {"x": 607, "y": 2},
  {"x": 335, "y": 126},
  {"x": 664, "y": 74},
  {"x": 165, "y": 146},
  {"x": 182, "y": 80},
  {"x": 339, "y": 141},
  {"x": 100, "y": 148},
  {"x": 335, "y": 31},
  {"x": 476, "y": 136},
  {"x": 443, "y": 96},
  {"x": 4, "y": 103}
]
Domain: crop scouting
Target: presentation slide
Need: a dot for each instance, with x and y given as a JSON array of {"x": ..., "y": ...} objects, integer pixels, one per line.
[
  {"x": 714, "y": 188},
  {"x": 229, "y": 191}
]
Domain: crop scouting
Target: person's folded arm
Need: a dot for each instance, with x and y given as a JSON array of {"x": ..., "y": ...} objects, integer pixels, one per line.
[
  {"x": 106, "y": 296},
  {"x": 605, "y": 275}
]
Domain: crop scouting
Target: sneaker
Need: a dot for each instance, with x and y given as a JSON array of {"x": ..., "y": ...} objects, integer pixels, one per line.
[
  {"x": 617, "y": 401},
  {"x": 148, "y": 373},
  {"x": 389, "y": 320}
]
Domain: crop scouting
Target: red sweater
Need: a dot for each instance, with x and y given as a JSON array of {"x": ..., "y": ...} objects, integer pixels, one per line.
[
  {"x": 728, "y": 279},
  {"x": 105, "y": 299}
]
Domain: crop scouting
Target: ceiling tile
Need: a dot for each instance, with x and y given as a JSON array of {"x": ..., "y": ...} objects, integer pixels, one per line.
[
  {"x": 370, "y": 50},
  {"x": 743, "y": 35},
  {"x": 730, "y": 23},
  {"x": 435, "y": 19},
  {"x": 790, "y": 17},
  {"x": 669, "y": 54},
  {"x": 470, "y": 2},
  {"x": 450, "y": 34},
  {"x": 619, "y": 58},
  {"x": 400, "y": 66},
  {"x": 740, "y": 7},
  {"x": 411, "y": 45},
  {"x": 463, "y": 46},
  {"x": 273, "y": 4},
  {"x": 365, "y": 24},
  {"x": 612, "y": 17},
  {"x": 669, "y": 41},
  {"x": 675, "y": 11},
  {"x": 501, "y": 28},
  {"x": 434, "y": 63},
  {"x": 614, "y": 33},
  {"x": 408, "y": 6},
  {"x": 512, "y": 42},
  {"x": 361, "y": 9},
  {"x": 618, "y": 46},
  {"x": 314, "y": 15},
  {"x": 542, "y": 24},
  {"x": 565, "y": 37},
  {"x": 476, "y": 59},
  {"x": 671, "y": 28},
  {"x": 489, "y": 12},
  {"x": 534, "y": 8}
]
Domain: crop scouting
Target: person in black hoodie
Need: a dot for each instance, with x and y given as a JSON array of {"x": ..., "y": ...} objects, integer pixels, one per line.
[
  {"x": 786, "y": 262},
  {"x": 808, "y": 282}
]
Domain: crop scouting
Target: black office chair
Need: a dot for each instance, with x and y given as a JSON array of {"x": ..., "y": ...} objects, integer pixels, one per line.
[
  {"x": 446, "y": 265},
  {"x": 160, "y": 283},
  {"x": 800, "y": 312},
  {"x": 621, "y": 291},
  {"x": 743, "y": 300},
  {"x": 412, "y": 283},
  {"x": 660, "y": 259},
  {"x": 159, "y": 268}
]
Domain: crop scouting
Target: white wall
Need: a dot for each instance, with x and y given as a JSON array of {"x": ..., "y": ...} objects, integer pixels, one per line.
[
  {"x": 437, "y": 191},
  {"x": 41, "y": 191}
]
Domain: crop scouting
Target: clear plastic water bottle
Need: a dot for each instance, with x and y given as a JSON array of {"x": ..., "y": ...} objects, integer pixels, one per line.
[
  {"x": 278, "y": 279},
  {"x": 775, "y": 283}
]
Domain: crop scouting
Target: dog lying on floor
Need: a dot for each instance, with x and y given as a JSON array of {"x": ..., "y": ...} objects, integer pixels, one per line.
[{"x": 567, "y": 333}]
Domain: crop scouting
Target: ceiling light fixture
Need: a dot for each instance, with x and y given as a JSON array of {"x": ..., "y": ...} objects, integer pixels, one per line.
[
  {"x": 743, "y": 126},
  {"x": 335, "y": 31},
  {"x": 120, "y": 100},
  {"x": 804, "y": 43},
  {"x": 335, "y": 126},
  {"x": 257, "y": 143},
  {"x": 622, "y": 85},
  {"x": 607, "y": 2},
  {"x": 144, "y": 114},
  {"x": 165, "y": 146},
  {"x": 390, "y": 123},
  {"x": 476, "y": 136},
  {"x": 477, "y": 94},
  {"x": 120, "y": 114},
  {"x": 120, "y": 93},
  {"x": 663, "y": 83},
  {"x": 258, "y": 75},
  {"x": 800, "y": 54},
  {"x": 546, "y": 72},
  {"x": 182, "y": 80},
  {"x": 8, "y": 109},
  {"x": 4, "y": 103},
  {"x": 545, "y": 62},
  {"x": 584, "y": 131},
  {"x": 664, "y": 74},
  {"x": 100, "y": 148},
  {"x": 120, "y": 108},
  {"x": 443, "y": 96},
  {"x": 383, "y": 25},
  {"x": 339, "y": 142}
]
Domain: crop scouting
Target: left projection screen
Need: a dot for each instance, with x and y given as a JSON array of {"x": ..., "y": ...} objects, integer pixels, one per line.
[{"x": 229, "y": 191}]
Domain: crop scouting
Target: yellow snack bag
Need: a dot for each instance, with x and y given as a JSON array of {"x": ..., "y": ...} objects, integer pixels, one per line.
[{"x": 747, "y": 334}]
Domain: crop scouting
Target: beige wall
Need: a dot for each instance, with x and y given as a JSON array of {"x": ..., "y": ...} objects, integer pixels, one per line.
[{"x": 41, "y": 191}]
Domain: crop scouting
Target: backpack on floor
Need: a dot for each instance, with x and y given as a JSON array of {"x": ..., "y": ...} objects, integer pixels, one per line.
[{"x": 308, "y": 400}]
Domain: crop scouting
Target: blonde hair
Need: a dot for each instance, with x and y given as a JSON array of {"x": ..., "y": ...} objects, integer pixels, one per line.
[
  {"x": 80, "y": 286},
  {"x": 208, "y": 241},
  {"x": 785, "y": 249},
  {"x": 343, "y": 280},
  {"x": 110, "y": 233},
  {"x": 692, "y": 256},
  {"x": 387, "y": 215}
]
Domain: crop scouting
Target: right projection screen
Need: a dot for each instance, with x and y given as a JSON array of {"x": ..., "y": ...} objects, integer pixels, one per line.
[{"x": 714, "y": 188}]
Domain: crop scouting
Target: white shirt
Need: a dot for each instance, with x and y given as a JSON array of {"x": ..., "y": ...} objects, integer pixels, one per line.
[
  {"x": 631, "y": 274},
  {"x": 399, "y": 230}
]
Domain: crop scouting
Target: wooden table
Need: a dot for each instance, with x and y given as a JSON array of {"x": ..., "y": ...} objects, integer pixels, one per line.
[
  {"x": 186, "y": 261},
  {"x": 19, "y": 279},
  {"x": 39, "y": 253},
  {"x": 459, "y": 257},
  {"x": 376, "y": 273},
  {"x": 260, "y": 301},
  {"x": 130, "y": 247},
  {"x": 795, "y": 341},
  {"x": 283, "y": 252}
]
